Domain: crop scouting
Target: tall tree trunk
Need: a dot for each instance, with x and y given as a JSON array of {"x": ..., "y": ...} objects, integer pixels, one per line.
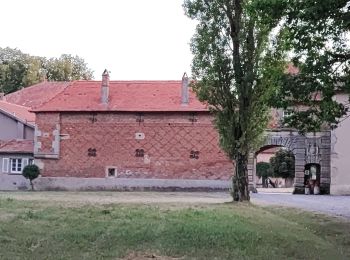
[{"x": 241, "y": 178}]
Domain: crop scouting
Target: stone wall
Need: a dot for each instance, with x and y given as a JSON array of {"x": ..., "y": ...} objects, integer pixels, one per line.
[
  {"x": 313, "y": 148},
  {"x": 150, "y": 145}
]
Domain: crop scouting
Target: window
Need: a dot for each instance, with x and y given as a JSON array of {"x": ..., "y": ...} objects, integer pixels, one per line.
[
  {"x": 287, "y": 113},
  {"x": 139, "y": 153},
  {"x": 111, "y": 171},
  {"x": 30, "y": 161},
  {"x": 16, "y": 165},
  {"x": 92, "y": 152},
  {"x": 193, "y": 118},
  {"x": 194, "y": 154}
]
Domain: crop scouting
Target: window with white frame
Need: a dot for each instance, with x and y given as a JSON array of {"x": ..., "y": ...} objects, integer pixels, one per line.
[
  {"x": 30, "y": 161},
  {"x": 287, "y": 113},
  {"x": 16, "y": 165}
]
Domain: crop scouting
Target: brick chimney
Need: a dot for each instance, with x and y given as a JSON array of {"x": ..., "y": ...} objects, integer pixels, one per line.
[
  {"x": 105, "y": 87},
  {"x": 184, "y": 90}
]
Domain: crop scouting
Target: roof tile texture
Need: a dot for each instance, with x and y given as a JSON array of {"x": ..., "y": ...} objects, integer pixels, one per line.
[
  {"x": 20, "y": 112},
  {"x": 17, "y": 146},
  {"x": 138, "y": 96},
  {"x": 37, "y": 94}
]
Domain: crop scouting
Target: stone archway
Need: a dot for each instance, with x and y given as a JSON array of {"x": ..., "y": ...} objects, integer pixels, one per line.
[{"x": 309, "y": 148}]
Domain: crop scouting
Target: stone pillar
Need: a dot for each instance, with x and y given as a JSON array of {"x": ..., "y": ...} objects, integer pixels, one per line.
[
  {"x": 299, "y": 155},
  {"x": 251, "y": 173},
  {"x": 325, "y": 163}
]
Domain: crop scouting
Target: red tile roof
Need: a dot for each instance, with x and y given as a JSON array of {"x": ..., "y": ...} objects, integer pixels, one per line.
[
  {"x": 37, "y": 94},
  {"x": 17, "y": 146},
  {"x": 19, "y": 112},
  {"x": 123, "y": 96}
]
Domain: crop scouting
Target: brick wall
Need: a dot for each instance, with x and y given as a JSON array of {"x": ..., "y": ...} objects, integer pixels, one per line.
[
  {"x": 47, "y": 127},
  {"x": 167, "y": 140}
]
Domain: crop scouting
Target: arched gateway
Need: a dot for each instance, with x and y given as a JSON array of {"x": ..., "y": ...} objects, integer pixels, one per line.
[{"x": 309, "y": 149}]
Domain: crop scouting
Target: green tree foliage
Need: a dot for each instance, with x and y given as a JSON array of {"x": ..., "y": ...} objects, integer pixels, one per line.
[
  {"x": 232, "y": 65},
  {"x": 241, "y": 51},
  {"x": 67, "y": 68},
  {"x": 31, "y": 172},
  {"x": 18, "y": 70},
  {"x": 314, "y": 37},
  {"x": 263, "y": 169},
  {"x": 283, "y": 164}
]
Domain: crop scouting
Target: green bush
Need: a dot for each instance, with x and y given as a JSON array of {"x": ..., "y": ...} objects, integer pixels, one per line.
[
  {"x": 283, "y": 164},
  {"x": 31, "y": 172},
  {"x": 263, "y": 169}
]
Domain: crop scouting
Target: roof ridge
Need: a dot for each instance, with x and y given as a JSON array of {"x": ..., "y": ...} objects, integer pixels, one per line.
[
  {"x": 123, "y": 81},
  {"x": 44, "y": 103}
]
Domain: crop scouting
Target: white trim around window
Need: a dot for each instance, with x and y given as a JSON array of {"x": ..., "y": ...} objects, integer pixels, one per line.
[{"x": 16, "y": 165}]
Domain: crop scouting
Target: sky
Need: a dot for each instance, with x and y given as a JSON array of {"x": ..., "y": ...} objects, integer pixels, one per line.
[{"x": 133, "y": 39}]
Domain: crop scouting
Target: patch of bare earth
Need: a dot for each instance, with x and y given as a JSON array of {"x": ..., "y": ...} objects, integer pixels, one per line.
[{"x": 147, "y": 256}]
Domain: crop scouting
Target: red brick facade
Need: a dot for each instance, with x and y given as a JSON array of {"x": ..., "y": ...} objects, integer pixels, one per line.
[{"x": 176, "y": 145}]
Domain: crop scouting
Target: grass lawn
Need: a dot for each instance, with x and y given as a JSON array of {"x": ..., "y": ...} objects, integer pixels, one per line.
[{"x": 51, "y": 230}]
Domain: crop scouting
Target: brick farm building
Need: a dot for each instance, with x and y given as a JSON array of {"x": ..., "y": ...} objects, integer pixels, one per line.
[
  {"x": 128, "y": 134},
  {"x": 96, "y": 135}
]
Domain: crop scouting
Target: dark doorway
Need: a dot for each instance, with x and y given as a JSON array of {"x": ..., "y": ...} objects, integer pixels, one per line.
[{"x": 312, "y": 178}]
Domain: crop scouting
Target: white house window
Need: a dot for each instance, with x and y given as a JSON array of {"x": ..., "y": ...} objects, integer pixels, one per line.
[
  {"x": 287, "y": 113},
  {"x": 30, "y": 161},
  {"x": 16, "y": 165}
]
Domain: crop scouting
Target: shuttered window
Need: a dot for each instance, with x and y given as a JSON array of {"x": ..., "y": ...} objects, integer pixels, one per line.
[{"x": 5, "y": 165}]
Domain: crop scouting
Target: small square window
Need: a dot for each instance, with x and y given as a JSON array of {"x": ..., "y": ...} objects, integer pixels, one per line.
[
  {"x": 111, "y": 172},
  {"x": 194, "y": 154},
  {"x": 287, "y": 113},
  {"x": 92, "y": 152},
  {"x": 139, "y": 153}
]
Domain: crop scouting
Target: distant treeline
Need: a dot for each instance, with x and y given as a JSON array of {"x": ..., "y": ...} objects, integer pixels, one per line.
[{"x": 19, "y": 70}]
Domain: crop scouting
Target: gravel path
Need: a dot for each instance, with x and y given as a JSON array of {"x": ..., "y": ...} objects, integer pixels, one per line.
[{"x": 330, "y": 205}]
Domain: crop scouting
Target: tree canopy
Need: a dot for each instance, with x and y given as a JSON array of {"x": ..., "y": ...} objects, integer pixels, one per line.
[
  {"x": 314, "y": 37},
  {"x": 242, "y": 50},
  {"x": 18, "y": 70},
  {"x": 283, "y": 164},
  {"x": 263, "y": 170},
  {"x": 231, "y": 63},
  {"x": 31, "y": 172}
]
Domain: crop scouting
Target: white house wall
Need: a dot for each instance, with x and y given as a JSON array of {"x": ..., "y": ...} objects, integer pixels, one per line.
[{"x": 340, "y": 156}]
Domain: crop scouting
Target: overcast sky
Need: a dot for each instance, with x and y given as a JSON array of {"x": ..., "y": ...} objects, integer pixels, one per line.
[{"x": 134, "y": 39}]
